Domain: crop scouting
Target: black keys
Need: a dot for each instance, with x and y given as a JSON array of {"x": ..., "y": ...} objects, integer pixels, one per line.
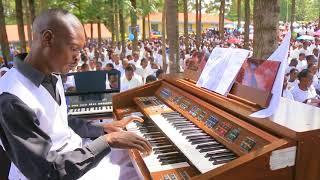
[
  {"x": 221, "y": 155},
  {"x": 209, "y": 144},
  {"x": 222, "y": 160},
  {"x": 209, "y": 154},
  {"x": 191, "y": 138},
  {"x": 208, "y": 149},
  {"x": 200, "y": 141},
  {"x": 189, "y": 132},
  {"x": 172, "y": 161}
]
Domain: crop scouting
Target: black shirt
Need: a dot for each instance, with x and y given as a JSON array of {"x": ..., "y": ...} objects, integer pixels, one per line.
[{"x": 28, "y": 147}]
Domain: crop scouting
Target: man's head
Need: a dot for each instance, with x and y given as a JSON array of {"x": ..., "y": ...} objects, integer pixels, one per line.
[
  {"x": 98, "y": 66},
  {"x": 125, "y": 63},
  {"x": 293, "y": 62},
  {"x": 129, "y": 72},
  {"x": 92, "y": 63},
  {"x": 109, "y": 67},
  {"x": 129, "y": 57},
  {"x": 312, "y": 68},
  {"x": 58, "y": 37},
  {"x": 150, "y": 78},
  {"x": 301, "y": 56},
  {"x": 159, "y": 74},
  {"x": 113, "y": 81},
  {"x": 84, "y": 67},
  {"x": 135, "y": 56},
  {"x": 293, "y": 74},
  {"x": 144, "y": 63},
  {"x": 305, "y": 78},
  {"x": 311, "y": 59}
]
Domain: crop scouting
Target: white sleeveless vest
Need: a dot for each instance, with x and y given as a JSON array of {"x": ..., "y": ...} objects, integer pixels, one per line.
[{"x": 52, "y": 117}]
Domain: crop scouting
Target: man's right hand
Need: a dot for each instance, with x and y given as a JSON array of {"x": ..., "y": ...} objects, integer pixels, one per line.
[{"x": 128, "y": 140}]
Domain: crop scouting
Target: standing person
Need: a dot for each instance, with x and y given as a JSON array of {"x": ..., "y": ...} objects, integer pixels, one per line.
[{"x": 34, "y": 128}]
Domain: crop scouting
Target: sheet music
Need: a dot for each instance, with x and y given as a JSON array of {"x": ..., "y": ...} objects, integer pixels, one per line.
[
  {"x": 221, "y": 69},
  {"x": 280, "y": 54}
]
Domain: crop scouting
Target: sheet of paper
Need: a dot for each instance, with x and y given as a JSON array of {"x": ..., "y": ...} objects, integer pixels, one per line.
[
  {"x": 221, "y": 69},
  {"x": 283, "y": 158},
  {"x": 280, "y": 54}
]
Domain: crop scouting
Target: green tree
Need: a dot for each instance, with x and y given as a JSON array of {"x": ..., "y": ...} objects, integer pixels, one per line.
[
  {"x": 172, "y": 31},
  {"x": 3, "y": 36},
  {"x": 221, "y": 19},
  {"x": 19, "y": 15},
  {"x": 266, "y": 25},
  {"x": 134, "y": 29},
  {"x": 247, "y": 23}
]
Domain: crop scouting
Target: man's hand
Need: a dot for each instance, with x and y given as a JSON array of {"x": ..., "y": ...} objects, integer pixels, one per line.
[
  {"x": 128, "y": 140},
  {"x": 116, "y": 126}
]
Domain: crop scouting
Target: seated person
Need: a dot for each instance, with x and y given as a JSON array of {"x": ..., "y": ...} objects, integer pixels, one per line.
[
  {"x": 150, "y": 78},
  {"x": 304, "y": 91},
  {"x": 293, "y": 78},
  {"x": 34, "y": 128},
  {"x": 159, "y": 74}
]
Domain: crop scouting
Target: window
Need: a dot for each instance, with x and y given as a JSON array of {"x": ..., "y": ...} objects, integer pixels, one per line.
[{"x": 154, "y": 27}]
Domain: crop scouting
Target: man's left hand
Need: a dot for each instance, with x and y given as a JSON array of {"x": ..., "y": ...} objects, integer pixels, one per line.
[{"x": 117, "y": 126}]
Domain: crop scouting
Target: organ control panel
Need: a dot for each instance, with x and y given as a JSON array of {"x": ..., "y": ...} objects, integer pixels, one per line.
[{"x": 193, "y": 139}]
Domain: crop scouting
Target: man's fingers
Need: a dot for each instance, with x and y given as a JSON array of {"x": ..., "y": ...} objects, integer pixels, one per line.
[
  {"x": 138, "y": 119},
  {"x": 138, "y": 147},
  {"x": 146, "y": 145}
]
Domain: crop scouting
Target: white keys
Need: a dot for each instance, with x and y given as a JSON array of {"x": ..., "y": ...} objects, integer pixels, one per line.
[
  {"x": 91, "y": 110},
  {"x": 198, "y": 159},
  {"x": 153, "y": 164}
]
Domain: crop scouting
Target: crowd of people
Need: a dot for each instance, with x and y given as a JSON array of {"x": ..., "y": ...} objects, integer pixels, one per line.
[{"x": 146, "y": 63}]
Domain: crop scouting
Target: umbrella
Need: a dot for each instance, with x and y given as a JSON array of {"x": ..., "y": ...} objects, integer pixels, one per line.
[
  {"x": 233, "y": 41},
  {"x": 305, "y": 37},
  {"x": 229, "y": 26}
]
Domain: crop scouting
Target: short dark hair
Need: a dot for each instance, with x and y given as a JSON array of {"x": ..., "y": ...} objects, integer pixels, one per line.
[
  {"x": 293, "y": 69},
  {"x": 301, "y": 54},
  {"x": 158, "y": 72},
  {"x": 304, "y": 73},
  {"x": 150, "y": 78},
  {"x": 110, "y": 65},
  {"x": 129, "y": 68},
  {"x": 309, "y": 57}
]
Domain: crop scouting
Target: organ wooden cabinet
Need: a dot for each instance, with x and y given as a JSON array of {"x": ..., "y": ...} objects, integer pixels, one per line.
[{"x": 198, "y": 134}]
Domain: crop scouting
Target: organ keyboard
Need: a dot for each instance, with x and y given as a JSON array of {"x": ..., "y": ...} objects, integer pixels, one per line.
[
  {"x": 90, "y": 104},
  {"x": 193, "y": 138}
]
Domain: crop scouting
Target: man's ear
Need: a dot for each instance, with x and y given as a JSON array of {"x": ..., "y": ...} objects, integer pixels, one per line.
[{"x": 47, "y": 38}]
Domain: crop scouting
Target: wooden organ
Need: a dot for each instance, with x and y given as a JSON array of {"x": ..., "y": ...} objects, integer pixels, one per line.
[{"x": 198, "y": 134}]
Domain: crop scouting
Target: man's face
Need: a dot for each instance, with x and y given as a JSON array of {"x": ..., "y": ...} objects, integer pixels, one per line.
[
  {"x": 301, "y": 57},
  {"x": 64, "y": 50},
  {"x": 294, "y": 74},
  {"x": 307, "y": 81},
  {"x": 129, "y": 75},
  {"x": 98, "y": 66},
  {"x": 113, "y": 80},
  {"x": 135, "y": 57},
  {"x": 144, "y": 63},
  {"x": 91, "y": 63}
]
